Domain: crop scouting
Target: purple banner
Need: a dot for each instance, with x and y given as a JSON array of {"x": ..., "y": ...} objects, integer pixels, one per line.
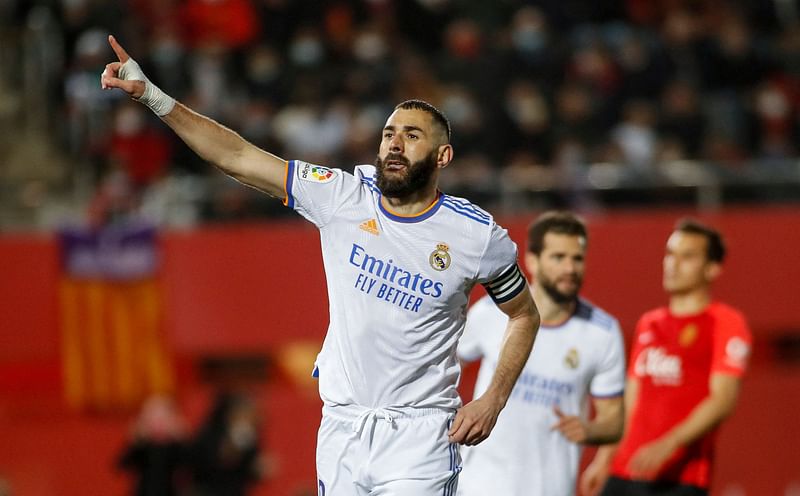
[{"x": 119, "y": 252}]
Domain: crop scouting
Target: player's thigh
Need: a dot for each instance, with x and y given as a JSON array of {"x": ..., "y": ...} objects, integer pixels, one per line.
[
  {"x": 336, "y": 458},
  {"x": 443, "y": 486},
  {"x": 417, "y": 458}
]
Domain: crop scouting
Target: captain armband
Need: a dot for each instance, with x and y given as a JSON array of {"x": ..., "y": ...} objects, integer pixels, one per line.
[{"x": 507, "y": 285}]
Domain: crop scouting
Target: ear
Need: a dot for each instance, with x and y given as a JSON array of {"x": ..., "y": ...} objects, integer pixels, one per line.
[
  {"x": 531, "y": 263},
  {"x": 445, "y": 156},
  {"x": 712, "y": 271}
]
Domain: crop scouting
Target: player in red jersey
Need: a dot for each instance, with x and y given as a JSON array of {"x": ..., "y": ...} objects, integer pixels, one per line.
[{"x": 687, "y": 361}]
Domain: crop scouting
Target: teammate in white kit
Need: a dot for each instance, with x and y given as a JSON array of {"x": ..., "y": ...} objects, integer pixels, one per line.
[
  {"x": 534, "y": 449},
  {"x": 401, "y": 258}
]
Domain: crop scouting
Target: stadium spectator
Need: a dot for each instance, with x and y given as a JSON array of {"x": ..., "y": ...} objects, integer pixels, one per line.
[
  {"x": 156, "y": 454},
  {"x": 735, "y": 105},
  {"x": 684, "y": 375},
  {"x": 225, "y": 455}
]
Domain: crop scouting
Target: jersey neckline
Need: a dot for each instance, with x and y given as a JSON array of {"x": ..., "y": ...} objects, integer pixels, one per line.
[{"x": 425, "y": 214}]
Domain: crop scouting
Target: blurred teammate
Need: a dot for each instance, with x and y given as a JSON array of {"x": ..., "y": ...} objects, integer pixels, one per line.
[
  {"x": 400, "y": 259},
  {"x": 687, "y": 360},
  {"x": 534, "y": 449}
]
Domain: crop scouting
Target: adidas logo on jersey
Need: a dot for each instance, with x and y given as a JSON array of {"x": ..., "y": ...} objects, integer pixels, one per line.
[{"x": 371, "y": 226}]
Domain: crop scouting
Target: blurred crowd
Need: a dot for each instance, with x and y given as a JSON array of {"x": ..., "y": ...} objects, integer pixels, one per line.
[
  {"x": 223, "y": 458},
  {"x": 536, "y": 91}
]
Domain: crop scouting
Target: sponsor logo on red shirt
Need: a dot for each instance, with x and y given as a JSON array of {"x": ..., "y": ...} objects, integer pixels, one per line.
[{"x": 662, "y": 367}]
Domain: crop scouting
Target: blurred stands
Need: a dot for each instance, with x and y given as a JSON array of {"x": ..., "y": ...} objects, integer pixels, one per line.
[{"x": 581, "y": 104}]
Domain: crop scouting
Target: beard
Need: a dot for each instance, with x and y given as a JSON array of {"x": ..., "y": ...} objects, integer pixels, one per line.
[
  {"x": 555, "y": 294},
  {"x": 417, "y": 175}
]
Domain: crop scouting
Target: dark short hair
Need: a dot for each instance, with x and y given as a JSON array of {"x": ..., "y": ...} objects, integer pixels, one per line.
[
  {"x": 438, "y": 116},
  {"x": 715, "y": 249},
  {"x": 558, "y": 222}
]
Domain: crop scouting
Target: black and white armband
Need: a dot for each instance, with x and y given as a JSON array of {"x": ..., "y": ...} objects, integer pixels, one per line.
[{"x": 507, "y": 285}]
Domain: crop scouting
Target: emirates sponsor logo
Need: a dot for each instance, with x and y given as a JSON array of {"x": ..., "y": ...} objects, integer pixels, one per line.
[{"x": 662, "y": 367}]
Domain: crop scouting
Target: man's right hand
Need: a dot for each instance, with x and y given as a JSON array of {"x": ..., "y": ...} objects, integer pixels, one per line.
[
  {"x": 129, "y": 77},
  {"x": 594, "y": 477},
  {"x": 133, "y": 84}
]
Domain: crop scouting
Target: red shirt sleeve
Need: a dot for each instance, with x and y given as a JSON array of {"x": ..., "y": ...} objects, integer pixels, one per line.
[{"x": 732, "y": 343}]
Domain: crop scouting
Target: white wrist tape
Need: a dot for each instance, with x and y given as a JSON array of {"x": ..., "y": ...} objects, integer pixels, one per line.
[{"x": 158, "y": 101}]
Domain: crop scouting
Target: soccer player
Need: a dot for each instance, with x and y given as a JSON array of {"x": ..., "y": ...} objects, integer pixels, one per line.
[
  {"x": 401, "y": 258},
  {"x": 686, "y": 363},
  {"x": 535, "y": 447}
]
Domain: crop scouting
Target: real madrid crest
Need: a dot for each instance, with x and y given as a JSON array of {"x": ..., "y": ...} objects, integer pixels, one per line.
[
  {"x": 571, "y": 359},
  {"x": 440, "y": 257}
]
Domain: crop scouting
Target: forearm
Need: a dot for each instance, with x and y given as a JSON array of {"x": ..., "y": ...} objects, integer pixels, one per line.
[
  {"x": 607, "y": 424},
  {"x": 604, "y": 431},
  {"x": 226, "y": 150},
  {"x": 605, "y": 454},
  {"x": 719, "y": 404},
  {"x": 517, "y": 344},
  {"x": 702, "y": 419}
]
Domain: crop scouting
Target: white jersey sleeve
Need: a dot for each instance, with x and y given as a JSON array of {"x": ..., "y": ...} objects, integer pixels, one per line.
[
  {"x": 498, "y": 271},
  {"x": 316, "y": 192},
  {"x": 609, "y": 379}
]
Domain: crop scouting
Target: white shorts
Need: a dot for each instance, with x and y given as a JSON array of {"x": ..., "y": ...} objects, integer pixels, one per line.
[{"x": 386, "y": 452}]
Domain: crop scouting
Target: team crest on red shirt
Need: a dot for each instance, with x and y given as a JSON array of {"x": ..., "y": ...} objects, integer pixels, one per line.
[{"x": 688, "y": 335}]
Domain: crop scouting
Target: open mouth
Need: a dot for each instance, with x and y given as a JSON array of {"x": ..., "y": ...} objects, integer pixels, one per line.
[{"x": 394, "y": 165}]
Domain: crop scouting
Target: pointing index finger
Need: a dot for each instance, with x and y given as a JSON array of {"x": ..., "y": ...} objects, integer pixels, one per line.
[{"x": 122, "y": 55}]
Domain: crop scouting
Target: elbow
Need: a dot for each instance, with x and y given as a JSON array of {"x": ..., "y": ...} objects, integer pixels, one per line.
[{"x": 616, "y": 435}]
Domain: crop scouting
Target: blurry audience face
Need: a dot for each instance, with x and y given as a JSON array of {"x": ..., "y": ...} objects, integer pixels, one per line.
[
  {"x": 529, "y": 30},
  {"x": 408, "y": 155},
  {"x": 526, "y": 106},
  {"x": 159, "y": 420},
  {"x": 679, "y": 98},
  {"x": 686, "y": 264}
]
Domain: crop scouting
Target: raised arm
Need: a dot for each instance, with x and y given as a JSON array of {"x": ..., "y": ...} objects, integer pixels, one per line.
[
  {"x": 212, "y": 141},
  {"x": 475, "y": 420}
]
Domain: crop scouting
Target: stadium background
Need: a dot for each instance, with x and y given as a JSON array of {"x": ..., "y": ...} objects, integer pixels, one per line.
[{"x": 632, "y": 112}]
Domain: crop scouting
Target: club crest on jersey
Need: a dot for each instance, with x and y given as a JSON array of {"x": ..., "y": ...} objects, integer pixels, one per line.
[
  {"x": 571, "y": 359},
  {"x": 316, "y": 173},
  {"x": 440, "y": 257},
  {"x": 688, "y": 335}
]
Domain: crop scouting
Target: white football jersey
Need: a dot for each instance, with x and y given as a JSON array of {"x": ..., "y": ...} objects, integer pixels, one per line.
[
  {"x": 524, "y": 455},
  {"x": 398, "y": 287}
]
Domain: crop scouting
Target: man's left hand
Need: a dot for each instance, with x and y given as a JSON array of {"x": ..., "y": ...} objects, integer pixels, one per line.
[{"x": 650, "y": 458}]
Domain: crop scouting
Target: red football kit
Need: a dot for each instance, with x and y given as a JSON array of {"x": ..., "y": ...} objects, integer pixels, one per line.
[{"x": 673, "y": 358}]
